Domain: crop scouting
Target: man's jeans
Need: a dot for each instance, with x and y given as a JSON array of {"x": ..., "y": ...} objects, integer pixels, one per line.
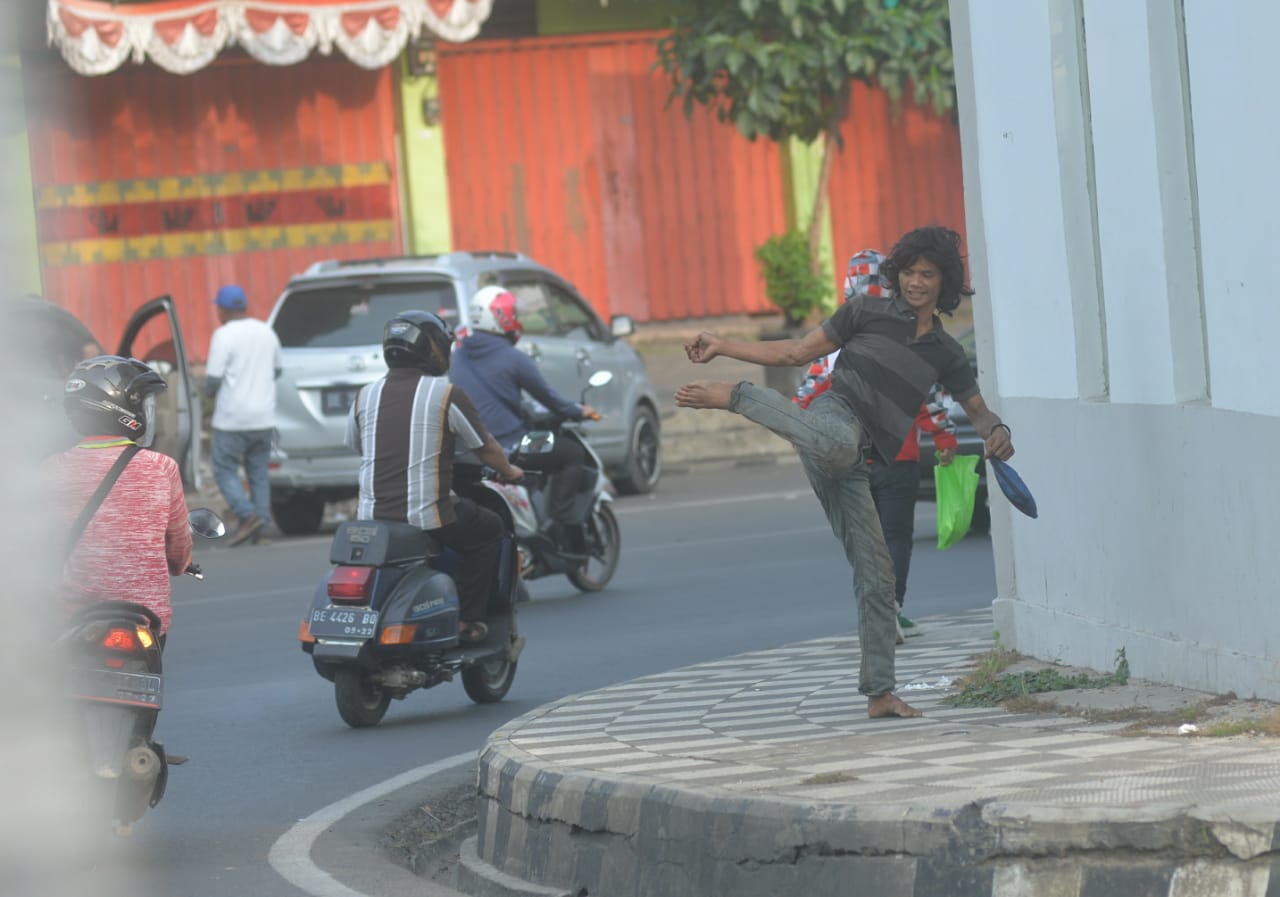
[
  {"x": 230, "y": 449},
  {"x": 894, "y": 488},
  {"x": 829, "y": 439}
]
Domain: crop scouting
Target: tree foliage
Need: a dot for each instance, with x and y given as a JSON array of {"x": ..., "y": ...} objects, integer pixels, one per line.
[{"x": 782, "y": 68}]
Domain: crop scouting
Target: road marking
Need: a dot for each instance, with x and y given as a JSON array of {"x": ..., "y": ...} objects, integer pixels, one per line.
[{"x": 290, "y": 856}]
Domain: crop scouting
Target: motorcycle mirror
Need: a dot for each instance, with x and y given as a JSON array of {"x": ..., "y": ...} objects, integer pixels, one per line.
[
  {"x": 537, "y": 442},
  {"x": 600, "y": 378},
  {"x": 205, "y": 522}
]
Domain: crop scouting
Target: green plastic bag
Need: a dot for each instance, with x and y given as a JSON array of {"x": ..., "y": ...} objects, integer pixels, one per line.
[{"x": 957, "y": 489}]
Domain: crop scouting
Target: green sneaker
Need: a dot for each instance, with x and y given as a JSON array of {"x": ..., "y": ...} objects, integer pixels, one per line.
[{"x": 907, "y": 626}]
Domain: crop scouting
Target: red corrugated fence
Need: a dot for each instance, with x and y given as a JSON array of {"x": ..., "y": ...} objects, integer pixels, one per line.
[{"x": 149, "y": 183}]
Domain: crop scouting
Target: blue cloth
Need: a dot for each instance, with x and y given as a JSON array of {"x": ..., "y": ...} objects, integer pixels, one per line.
[
  {"x": 492, "y": 373},
  {"x": 1014, "y": 488},
  {"x": 231, "y": 297}
]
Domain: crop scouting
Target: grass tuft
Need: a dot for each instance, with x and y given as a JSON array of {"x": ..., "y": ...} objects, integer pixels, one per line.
[{"x": 990, "y": 686}]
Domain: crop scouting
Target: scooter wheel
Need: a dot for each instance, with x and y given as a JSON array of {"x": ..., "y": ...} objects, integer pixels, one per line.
[
  {"x": 604, "y": 547},
  {"x": 360, "y": 702},
  {"x": 488, "y": 682}
]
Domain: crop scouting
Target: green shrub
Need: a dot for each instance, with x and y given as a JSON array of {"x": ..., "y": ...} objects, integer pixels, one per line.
[{"x": 789, "y": 278}]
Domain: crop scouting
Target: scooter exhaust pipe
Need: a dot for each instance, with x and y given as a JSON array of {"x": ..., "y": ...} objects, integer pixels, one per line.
[{"x": 142, "y": 764}]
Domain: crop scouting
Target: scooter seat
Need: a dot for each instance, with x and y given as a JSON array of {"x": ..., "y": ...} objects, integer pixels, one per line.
[{"x": 377, "y": 543}]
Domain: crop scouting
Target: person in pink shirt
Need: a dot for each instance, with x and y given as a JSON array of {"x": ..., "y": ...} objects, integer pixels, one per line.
[{"x": 140, "y": 535}]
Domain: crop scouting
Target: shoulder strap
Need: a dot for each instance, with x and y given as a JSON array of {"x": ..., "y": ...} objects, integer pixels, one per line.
[{"x": 77, "y": 528}]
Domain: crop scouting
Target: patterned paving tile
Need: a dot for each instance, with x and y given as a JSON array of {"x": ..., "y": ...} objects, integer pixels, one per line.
[{"x": 772, "y": 721}]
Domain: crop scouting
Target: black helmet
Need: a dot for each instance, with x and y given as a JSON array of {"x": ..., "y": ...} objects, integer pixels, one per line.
[
  {"x": 417, "y": 339},
  {"x": 108, "y": 395}
]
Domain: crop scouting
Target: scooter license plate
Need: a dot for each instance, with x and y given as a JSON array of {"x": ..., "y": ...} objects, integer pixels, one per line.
[
  {"x": 111, "y": 686},
  {"x": 343, "y": 622}
]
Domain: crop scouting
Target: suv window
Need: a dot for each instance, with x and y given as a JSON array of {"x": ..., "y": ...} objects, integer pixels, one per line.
[
  {"x": 531, "y": 307},
  {"x": 572, "y": 318},
  {"x": 354, "y": 314}
]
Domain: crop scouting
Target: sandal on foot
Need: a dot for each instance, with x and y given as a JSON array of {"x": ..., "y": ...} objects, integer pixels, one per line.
[{"x": 471, "y": 633}]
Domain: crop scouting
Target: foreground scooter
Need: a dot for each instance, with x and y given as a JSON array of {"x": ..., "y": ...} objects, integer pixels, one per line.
[{"x": 112, "y": 672}]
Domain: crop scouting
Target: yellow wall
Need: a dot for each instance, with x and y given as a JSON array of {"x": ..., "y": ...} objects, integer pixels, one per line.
[{"x": 422, "y": 168}]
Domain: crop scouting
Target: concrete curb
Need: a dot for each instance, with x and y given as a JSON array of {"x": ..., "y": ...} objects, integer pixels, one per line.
[
  {"x": 548, "y": 827},
  {"x": 477, "y": 878}
]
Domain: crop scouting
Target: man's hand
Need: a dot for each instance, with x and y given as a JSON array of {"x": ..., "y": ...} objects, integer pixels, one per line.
[
  {"x": 705, "y": 346},
  {"x": 512, "y": 474},
  {"x": 998, "y": 443},
  {"x": 589, "y": 413},
  {"x": 946, "y": 456},
  {"x": 492, "y": 454}
]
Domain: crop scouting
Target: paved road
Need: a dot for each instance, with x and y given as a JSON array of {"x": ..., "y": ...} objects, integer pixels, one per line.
[{"x": 721, "y": 561}]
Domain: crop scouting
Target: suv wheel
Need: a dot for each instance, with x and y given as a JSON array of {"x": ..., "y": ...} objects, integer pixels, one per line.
[
  {"x": 298, "y": 514},
  {"x": 643, "y": 467}
]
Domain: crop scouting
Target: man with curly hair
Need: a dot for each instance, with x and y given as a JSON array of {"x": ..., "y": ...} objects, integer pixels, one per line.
[{"x": 893, "y": 349}]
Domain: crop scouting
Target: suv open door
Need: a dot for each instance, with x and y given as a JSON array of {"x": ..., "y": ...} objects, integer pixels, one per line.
[{"x": 154, "y": 336}]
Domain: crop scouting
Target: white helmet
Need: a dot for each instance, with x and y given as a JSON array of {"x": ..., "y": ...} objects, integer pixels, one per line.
[{"x": 493, "y": 310}]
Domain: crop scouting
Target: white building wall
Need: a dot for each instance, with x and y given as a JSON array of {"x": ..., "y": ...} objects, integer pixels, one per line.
[
  {"x": 1230, "y": 59},
  {"x": 1120, "y": 191}
]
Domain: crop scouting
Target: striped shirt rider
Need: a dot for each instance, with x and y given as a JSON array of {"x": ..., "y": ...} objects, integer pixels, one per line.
[{"x": 406, "y": 428}]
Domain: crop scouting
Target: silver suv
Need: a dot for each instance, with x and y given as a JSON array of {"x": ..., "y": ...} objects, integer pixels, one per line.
[{"x": 330, "y": 319}]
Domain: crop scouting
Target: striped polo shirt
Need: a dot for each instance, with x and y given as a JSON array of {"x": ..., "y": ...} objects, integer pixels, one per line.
[
  {"x": 884, "y": 372},
  {"x": 406, "y": 427}
]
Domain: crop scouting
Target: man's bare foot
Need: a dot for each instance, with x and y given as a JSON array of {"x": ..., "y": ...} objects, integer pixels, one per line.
[
  {"x": 890, "y": 705},
  {"x": 704, "y": 394}
]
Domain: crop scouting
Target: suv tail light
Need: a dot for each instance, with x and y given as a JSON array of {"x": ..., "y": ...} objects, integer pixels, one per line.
[{"x": 351, "y": 585}]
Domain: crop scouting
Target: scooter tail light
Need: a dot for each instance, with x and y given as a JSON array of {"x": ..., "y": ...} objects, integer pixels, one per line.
[
  {"x": 118, "y": 639},
  {"x": 350, "y": 585},
  {"x": 304, "y": 632}
]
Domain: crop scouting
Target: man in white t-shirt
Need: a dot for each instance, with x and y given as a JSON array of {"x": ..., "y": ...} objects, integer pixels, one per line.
[{"x": 244, "y": 362}]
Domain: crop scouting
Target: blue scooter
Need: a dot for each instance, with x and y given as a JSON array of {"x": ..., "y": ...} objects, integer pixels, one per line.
[{"x": 384, "y": 621}]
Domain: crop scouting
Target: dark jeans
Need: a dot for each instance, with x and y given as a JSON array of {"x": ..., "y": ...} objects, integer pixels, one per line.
[
  {"x": 476, "y": 535},
  {"x": 893, "y": 489},
  {"x": 564, "y": 466}
]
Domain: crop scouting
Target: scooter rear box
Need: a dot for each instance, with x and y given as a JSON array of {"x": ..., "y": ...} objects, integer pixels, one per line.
[{"x": 376, "y": 543}]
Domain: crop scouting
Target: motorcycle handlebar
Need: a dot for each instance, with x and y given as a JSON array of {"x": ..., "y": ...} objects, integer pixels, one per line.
[{"x": 194, "y": 570}]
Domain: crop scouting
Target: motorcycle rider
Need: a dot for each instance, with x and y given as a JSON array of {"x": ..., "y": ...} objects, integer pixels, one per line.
[
  {"x": 405, "y": 427},
  {"x": 139, "y": 536},
  {"x": 495, "y": 374}
]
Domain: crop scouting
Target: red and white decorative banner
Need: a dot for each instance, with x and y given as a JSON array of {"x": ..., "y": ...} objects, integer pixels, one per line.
[{"x": 182, "y": 36}]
